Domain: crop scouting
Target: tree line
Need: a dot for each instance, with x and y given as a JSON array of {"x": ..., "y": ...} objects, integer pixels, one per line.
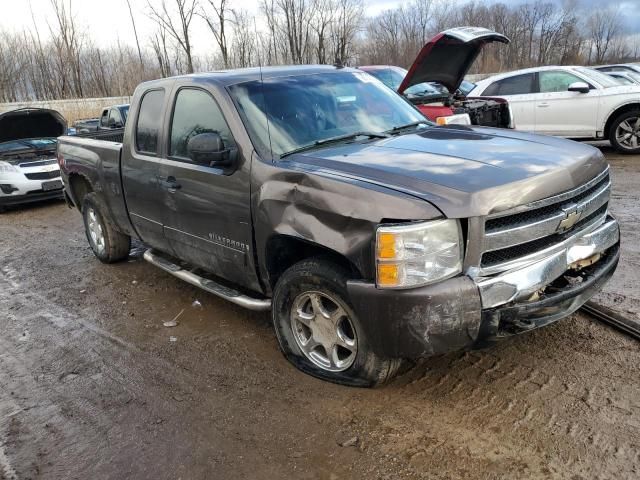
[{"x": 61, "y": 60}]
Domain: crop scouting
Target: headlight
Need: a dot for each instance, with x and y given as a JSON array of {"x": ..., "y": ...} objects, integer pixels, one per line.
[
  {"x": 418, "y": 254},
  {"x": 6, "y": 167}
]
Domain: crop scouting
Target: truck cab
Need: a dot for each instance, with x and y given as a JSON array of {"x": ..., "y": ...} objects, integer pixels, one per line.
[
  {"x": 113, "y": 117},
  {"x": 370, "y": 233}
]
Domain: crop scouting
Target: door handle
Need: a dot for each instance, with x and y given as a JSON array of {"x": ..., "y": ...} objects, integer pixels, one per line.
[
  {"x": 170, "y": 184},
  {"x": 543, "y": 105}
]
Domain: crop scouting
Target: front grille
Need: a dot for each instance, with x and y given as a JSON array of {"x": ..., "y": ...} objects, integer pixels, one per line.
[
  {"x": 511, "y": 237},
  {"x": 541, "y": 213},
  {"x": 504, "y": 255},
  {"x": 43, "y": 175}
]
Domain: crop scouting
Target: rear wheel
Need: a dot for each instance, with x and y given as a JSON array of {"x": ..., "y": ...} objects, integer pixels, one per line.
[
  {"x": 625, "y": 132},
  {"x": 318, "y": 330},
  {"x": 108, "y": 244}
]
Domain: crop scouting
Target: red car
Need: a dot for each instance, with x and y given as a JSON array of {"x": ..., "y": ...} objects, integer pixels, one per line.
[{"x": 433, "y": 83}]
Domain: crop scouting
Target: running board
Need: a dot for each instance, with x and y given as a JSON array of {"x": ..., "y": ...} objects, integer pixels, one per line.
[{"x": 209, "y": 285}]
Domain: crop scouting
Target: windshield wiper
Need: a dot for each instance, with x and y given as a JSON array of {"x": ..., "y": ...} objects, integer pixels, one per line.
[
  {"x": 404, "y": 127},
  {"x": 336, "y": 139}
]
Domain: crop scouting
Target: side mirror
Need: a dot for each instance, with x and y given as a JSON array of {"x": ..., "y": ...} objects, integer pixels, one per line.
[
  {"x": 208, "y": 149},
  {"x": 581, "y": 87},
  {"x": 111, "y": 123}
]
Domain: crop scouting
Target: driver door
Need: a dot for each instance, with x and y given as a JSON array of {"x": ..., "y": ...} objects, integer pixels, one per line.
[
  {"x": 208, "y": 219},
  {"x": 564, "y": 113}
]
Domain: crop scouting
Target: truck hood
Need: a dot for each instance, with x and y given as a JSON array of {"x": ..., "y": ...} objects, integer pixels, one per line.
[
  {"x": 31, "y": 123},
  {"x": 464, "y": 171},
  {"x": 448, "y": 56}
]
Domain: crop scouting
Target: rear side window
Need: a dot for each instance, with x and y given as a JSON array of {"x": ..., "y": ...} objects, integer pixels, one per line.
[
  {"x": 195, "y": 112},
  {"x": 517, "y": 85},
  {"x": 557, "y": 81},
  {"x": 149, "y": 122}
]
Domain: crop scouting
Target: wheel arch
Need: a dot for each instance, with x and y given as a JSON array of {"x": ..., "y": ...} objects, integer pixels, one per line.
[
  {"x": 627, "y": 107},
  {"x": 79, "y": 187},
  {"x": 283, "y": 251}
]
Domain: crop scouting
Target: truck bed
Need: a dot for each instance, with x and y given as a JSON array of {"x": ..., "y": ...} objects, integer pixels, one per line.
[
  {"x": 96, "y": 157},
  {"x": 113, "y": 135}
]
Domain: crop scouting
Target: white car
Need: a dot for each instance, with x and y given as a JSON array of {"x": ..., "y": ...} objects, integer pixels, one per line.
[
  {"x": 625, "y": 77},
  {"x": 571, "y": 102},
  {"x": 29, "y": 169},
  {"x": 625, "y": 67}
]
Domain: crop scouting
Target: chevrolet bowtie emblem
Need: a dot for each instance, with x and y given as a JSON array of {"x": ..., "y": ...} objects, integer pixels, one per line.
[{"x": 572, "y": 215}]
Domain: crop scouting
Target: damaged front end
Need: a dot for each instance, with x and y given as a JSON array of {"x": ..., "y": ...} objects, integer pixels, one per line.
[{"x": 524, "y": 268}]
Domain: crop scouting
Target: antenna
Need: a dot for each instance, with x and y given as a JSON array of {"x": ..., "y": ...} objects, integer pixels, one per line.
[{"x": 264, "y": 99}]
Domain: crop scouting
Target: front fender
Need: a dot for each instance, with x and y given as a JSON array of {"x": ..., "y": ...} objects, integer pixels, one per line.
[{"x": 324, "y": 208}]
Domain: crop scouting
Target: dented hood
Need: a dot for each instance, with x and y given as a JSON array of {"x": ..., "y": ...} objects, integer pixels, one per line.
[
  {"x": 464, "y": 171},
  {"x": 31, "y": 123},
  {"x": 448, "y": 56}
]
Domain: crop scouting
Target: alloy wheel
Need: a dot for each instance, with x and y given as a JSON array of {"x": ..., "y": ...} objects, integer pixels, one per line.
[
  {"x": 95, "y": 230},
  {"x": 323, "y": 331},
  {"x": 628, "y": 133}
]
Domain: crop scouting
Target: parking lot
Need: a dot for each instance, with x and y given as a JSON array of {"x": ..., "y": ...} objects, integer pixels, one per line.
[{"x": 92, "y": 385}]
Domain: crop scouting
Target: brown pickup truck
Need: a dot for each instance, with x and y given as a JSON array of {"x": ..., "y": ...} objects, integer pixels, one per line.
[{"x": 371, "y": 234}]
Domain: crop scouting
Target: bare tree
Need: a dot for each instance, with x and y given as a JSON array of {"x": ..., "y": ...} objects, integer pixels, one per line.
[
  {"x": 216, "y": 24},
  {"x": 603, "y": 26},
  {"x": 343, "y": 31},
  {"x": 297, "y": 26},
  {"x": 178, "y": 29},
  {"x": 244, "y": 42},
  {"x": 68, "y": 43},
  {"x": 135, "y": 32},
  {"x": 159, "y": 45}
]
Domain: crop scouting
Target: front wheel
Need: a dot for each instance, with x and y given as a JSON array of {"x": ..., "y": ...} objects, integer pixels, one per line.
[
  {"x": 318, "y": 330},
  {"x": 625, "y": 132},
  {"x": 108, "y": 244}
]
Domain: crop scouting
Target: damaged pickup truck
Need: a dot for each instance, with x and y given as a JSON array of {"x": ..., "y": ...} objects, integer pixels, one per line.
[{"x": 370, "y": 233}]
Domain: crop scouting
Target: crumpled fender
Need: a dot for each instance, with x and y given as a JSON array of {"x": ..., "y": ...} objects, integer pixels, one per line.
[{"x": 324, "y": 208}]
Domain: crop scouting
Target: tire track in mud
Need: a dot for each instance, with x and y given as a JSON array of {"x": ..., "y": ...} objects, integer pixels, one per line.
[
  {"x": 90, "y": 403},
  {"x": 540, "y": 413},
  {"x": 72, "y": 382}
]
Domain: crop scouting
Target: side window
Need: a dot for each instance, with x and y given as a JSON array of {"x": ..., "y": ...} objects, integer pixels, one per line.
[
  {"x": 557, "y": 81},
  {"x": 114, "y": 117},
  {"x": 195, "y": 112},
  {"x": 517, "y": 85},
  {"x": 149, "y": 122}
]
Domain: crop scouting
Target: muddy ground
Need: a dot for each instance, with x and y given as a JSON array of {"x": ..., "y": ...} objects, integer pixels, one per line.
[{"x": 92, "y": 387}]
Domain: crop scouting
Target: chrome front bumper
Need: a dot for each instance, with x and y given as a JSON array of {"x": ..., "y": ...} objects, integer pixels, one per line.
[{"x": 522, "y": 282}]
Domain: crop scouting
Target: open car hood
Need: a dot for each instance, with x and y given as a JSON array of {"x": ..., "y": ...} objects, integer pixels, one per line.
[
  {"x": 447, "y": 57},
  {"x": 31, "y": 123}
]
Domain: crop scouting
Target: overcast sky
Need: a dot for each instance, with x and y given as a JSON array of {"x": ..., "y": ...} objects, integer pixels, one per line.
[{"x": 107, "y": 21}]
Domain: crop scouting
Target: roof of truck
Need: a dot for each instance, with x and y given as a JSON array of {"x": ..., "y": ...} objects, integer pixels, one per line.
[{"x": 241, "y": 75}]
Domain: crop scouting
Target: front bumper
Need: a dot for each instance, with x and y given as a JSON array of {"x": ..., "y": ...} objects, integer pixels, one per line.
[
  {"x": 16, "y": 188},
  {"x": 463, "y": 312}
]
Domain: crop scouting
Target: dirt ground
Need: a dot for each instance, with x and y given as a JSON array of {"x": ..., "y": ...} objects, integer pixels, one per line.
[{"x": 93, "y": 387}]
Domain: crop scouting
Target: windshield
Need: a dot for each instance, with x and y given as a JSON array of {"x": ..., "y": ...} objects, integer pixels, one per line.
[
  {"x": 392, "y": 77},
  {"x": 124, "y": 111},
  {"x": 305, "y": 109},
  {"x": 603, "y": 79},
  {"x": 466, "y": 87},
  {"x": 621, "y": 79}
]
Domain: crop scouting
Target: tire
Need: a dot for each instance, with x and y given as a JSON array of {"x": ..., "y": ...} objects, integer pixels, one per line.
[
  {"x": 299, "y": 289},
  {"x": 624, "y": 133},
  {"x": 108, "y": 244}
]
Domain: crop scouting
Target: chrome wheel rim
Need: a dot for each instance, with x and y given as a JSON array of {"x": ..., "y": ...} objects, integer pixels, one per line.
[
  {"x": 323, "y": 331},
  {"x": 628, "y": 133},
  {"x": 95, "y": 230}
]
